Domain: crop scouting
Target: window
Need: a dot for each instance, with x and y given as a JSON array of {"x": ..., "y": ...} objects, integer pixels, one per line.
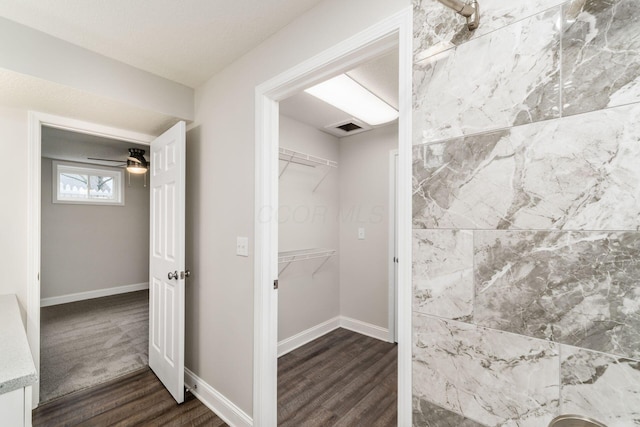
[{"x": 92, "y": 185}]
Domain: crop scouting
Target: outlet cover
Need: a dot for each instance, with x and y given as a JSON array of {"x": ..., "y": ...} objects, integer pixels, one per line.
[
  {"x": 242, "y": 246},
  {"x": 361, "y": 233}
]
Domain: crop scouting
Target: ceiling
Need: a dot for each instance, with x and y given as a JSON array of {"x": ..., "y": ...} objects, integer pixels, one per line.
[
  {"x": 70, "y": 146},
  {"x": 184, "y": 41},
  {"x": 380, "y": 76}
]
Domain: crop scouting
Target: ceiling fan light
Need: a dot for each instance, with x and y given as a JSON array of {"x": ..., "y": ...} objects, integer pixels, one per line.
[{"x": 135, "y": 167}]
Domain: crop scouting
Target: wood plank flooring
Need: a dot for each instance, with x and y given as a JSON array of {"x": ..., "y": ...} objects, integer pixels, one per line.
[
  {"x": 340, "y": 379},
  {"x": 90, "y": 342},
  {"x": 136, "y": 399}
]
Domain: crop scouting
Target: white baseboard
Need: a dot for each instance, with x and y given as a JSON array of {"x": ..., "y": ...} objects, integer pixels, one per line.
[
  {"x": 215, "y": 401},
  {"x": 315, "y": 332},
  {"x": 364, "y": 328},
  {"x": 80, "y": 296},
  {"x": 304, "y": 337}
]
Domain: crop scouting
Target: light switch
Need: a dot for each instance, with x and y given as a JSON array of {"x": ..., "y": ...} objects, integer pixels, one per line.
[
  {"x": 361, "y": 233},
  {"x": 242, "y": 246}
]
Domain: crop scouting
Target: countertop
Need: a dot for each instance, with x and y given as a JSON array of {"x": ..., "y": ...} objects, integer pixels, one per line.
[{"x": 16, "y": 363}]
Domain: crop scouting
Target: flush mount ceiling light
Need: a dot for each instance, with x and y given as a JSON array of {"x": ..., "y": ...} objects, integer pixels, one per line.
[
  {"x": 136, "y": 163},
  {"x": 349, "y": 96}
]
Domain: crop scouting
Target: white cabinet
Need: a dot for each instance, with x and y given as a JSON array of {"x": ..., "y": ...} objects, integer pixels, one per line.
[
  {"x": 17, "y": 371},
  {"x": 15, "y": 408}
]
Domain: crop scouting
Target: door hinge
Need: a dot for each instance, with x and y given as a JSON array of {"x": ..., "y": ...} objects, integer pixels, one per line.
[{"x": 275, "y": 284}]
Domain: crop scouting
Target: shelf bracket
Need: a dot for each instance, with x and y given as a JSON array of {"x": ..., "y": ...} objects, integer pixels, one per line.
[
  {"x": 285, "y": 267},
  {"x": 320, "y": 266},
  {"x": 323, "y": 178},
  {"x": 286, "y": 165}
]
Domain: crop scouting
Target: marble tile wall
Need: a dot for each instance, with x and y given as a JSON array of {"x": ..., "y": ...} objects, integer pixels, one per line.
[{"x": 526, "y": 213}]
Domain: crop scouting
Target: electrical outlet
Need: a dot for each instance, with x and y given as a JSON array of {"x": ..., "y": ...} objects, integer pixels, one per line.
[
  {"x": 361, "y": 233},
  {"x": 242, "y": 246}
]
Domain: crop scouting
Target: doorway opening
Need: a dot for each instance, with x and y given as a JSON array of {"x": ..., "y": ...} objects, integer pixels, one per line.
[
  {"x": 38, "y": 122},
  {"x": 336, "y": 284},
  {"x": 393, "y": 33},
  {"x": 94, "y": 262}
]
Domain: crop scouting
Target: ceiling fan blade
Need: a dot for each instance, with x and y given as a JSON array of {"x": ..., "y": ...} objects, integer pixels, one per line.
[{"x": 104, "y": 160}]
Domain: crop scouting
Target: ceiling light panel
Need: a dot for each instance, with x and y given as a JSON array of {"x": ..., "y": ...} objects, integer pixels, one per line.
[{"x": 346, "y": 94}]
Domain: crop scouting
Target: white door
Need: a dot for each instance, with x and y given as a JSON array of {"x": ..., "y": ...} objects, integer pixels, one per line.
[{"x": 166, "y": 260}]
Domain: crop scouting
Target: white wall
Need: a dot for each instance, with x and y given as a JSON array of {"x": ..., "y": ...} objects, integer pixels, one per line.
[
  {"x": 307, "y": 220},
  {"x": 52, "y": 59},
  {"x": 13, "y": 210},
  {"x": 364, "y": 202},
  {"x": 220, "y": 303},
  {"x": 87, "y": 247}
]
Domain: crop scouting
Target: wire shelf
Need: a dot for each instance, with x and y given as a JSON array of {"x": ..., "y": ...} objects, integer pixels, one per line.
[
  {"x": 304, "y": 159},
  {"x": 288, "y": 257}
]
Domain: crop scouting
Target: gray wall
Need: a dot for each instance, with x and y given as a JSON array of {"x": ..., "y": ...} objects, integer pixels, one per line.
[
  {"x": 526, "y": 214},
  {"x": 354, "y": 283},
  {"x": 87, "y": 247},
  {"x": 364, "y": 202},
  {"x": 306, "y": 220}
]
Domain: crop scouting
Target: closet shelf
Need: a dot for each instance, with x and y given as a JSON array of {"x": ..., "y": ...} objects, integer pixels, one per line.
[
  {"x": 291, "y": 156},
  {"x": 288, "y": 257}
]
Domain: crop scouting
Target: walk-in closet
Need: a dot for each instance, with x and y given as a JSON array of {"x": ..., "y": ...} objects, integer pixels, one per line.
[{"x": 336, "y": 257}]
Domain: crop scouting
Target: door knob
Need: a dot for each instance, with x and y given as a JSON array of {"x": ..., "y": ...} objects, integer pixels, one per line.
[
  {"x": 173, "y": 275},
  {"x": 186, "y": 273}
]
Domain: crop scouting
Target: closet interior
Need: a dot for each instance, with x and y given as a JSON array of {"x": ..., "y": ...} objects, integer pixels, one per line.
[{"x": 335, "y": 217}]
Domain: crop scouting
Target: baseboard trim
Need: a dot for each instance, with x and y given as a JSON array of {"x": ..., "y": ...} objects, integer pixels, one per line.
[
  {"x": 306, "y": 336},
  {"x": 364, "y": 328},
  {"x": 315, "y": 332},
  {"x": 81, "y": 296},
  {"x": 215, "y": 401}
]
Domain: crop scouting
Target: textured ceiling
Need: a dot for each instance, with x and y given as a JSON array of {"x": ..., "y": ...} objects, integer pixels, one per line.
[{"x": 184, "y": 41}]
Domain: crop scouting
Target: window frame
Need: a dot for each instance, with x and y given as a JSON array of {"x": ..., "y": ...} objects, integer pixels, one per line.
[{"x": 117, "y": 174}]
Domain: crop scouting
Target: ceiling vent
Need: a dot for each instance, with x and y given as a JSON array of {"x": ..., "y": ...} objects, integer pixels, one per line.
[{"x": 347, "y": 128}]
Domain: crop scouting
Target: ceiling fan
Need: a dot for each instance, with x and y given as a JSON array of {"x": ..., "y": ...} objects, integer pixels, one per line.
[{"x": 136, "y": 163}]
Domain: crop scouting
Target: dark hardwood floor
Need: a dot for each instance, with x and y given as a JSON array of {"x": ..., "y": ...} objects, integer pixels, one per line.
[
  {"x": 340, "y": 379},
  {"x": 136, "y": 399}
]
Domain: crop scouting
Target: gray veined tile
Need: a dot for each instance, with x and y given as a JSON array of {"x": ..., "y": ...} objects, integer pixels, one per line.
[
  {"x": 577, "y": 288},
  {"x": 443, "y": 273},
  {"x": 493, "y": 377},
  {"x": 436, "y": 25},
  {"x": 579, "y": 172},
  {"x": 426, "y": 414},
  {"x": 603, "y": 387},
  {"x": 600, "y": 54},
  {"x": 504, "y": 78}
]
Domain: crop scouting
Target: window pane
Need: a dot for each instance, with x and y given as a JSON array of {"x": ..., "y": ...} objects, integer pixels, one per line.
[
  {"x": 101, "y": 187},
  {"x": 73, "y": 186}
]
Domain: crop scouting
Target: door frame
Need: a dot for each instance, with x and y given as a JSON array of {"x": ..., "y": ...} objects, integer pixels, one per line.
[
  {"x": 34, "y": 152},
  {"x": 393, "y": 243},
  {"x": 393, "y": 31}
]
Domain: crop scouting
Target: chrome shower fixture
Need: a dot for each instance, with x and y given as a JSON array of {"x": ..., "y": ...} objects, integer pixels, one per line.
[{"x": 471, "y": 11}]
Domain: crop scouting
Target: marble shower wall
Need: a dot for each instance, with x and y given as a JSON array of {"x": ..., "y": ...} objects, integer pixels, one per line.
[{"x": 526, "y": 213}]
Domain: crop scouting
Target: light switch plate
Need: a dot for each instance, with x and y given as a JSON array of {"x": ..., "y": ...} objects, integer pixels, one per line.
[
  {"x": 361, "y": 233},
  {"x": 242, "y": 246}
]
